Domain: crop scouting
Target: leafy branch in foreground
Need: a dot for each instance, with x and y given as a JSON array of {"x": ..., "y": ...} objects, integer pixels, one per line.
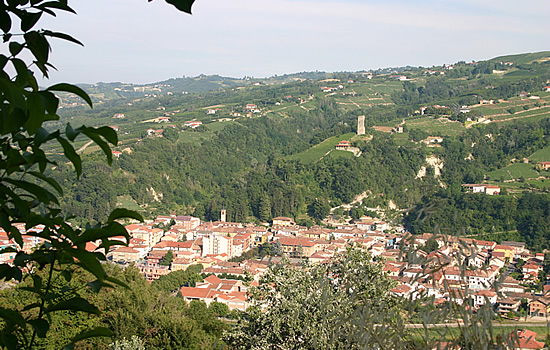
[{"x": 43, "y": 245}]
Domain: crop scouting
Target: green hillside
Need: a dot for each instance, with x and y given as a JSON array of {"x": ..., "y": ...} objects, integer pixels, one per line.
[{"x": 266, "y": 147}]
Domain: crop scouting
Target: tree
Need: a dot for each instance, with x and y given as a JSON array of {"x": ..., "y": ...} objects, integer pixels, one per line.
[
  {"x": 331, "y": 306},
  {"x": 319, "y": 209},
  {"x": 167, "y": 258},
  {"x": 431, "y": 245},
  {"x": 30, "y": 197},
  {"x": 219, "y": 309},
  {"x": 277, "y": 248}
]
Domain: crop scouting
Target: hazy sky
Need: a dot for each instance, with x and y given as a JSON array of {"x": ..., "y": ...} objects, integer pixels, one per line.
[{"x": 140, "y": 42}]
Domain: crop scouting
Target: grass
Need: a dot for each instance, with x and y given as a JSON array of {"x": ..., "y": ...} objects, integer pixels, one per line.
[
  {"x": 127, "y": 202},
  {"x": 190, "y": 136},
  {"x": 217, "y": 126},
  {"x": 542, "y": 155},
  {"x": 401, "y": 139},
  {"x": 432, "y": 126},
  {"x": 517, "y": 170},
  {"x": 450, "y": 333},
  {"x": 342, "y": 154},
  {"x": 316, "y": 152}
]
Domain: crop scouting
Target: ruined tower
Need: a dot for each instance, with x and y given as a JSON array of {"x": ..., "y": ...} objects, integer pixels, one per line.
[{"x": 361, "y": 125}]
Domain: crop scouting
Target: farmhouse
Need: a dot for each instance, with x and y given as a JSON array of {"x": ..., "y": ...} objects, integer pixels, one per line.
[
  {"x": 482, "y": 188},
  {"x": 343, "y": 145}
]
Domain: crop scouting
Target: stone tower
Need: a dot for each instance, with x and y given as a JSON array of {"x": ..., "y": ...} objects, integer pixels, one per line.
[
  {"x": 223, "y": 215},
  {"x": 361, "y": 125}
]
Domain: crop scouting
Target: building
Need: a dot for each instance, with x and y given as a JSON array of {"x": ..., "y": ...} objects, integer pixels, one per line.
[
  {"x": 361, "y": 125},
  {"x": 540, "y": 307},
  {"x": 283, "y": 221},
  {"x": 482, "y": 188},
  {"x": 343, "y": 145}
]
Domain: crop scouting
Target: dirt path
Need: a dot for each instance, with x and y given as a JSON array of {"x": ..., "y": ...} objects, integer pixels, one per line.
[{"x": 81, "y": 149}]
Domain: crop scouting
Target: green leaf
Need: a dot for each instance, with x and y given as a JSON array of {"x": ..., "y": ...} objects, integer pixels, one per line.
[
  {"x": 120, "y": 213},
  {"x": 28, "y": 19},
  {"x": 60, "y": 5},
  {"x": 96, "y": 332},
  {"x": 10, "y": 341},
  {"x": 93, "y": 234},
  {"x": 50, "y": 101},
  {"x": 40, "y": 48},
  {"x": 41, "y": 327},
  {"x": 11, "y": 316},
  {"x": 52, "y": 182},
  {"x": 72, "y": 89},
  {"x": 36, "y": 113},
  {"x": 23, "y": 73},
  {"x": 62, "y": 36},
  {"x": 74, "y": 304},
  {"x": 71, "y": 133},
  {"x": 35, "y": 191},
  {"x": 5, "y": 21},
  {"x": 117, "y": 282},
  {"x": 71, "y": 154},
  {"x": 109, "y": 134},
  {"x": 3, "y": 61},
  {"x": 7, "y": 272},
  {"x": 95, "y": 285},
  {"x": 89, "y": 262},
  {"x": 15, "y": 48},
  {"x": 94, "y": 136},
  {"x": 182, "y": 5}
]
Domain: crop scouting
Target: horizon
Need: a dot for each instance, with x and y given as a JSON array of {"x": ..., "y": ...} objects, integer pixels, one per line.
[{"x": 141, "y": 42}]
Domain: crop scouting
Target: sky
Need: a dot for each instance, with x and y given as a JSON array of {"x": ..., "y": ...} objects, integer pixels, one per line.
[{"x": 136, "y": 41}]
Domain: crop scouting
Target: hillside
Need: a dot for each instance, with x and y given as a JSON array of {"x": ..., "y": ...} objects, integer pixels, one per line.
[{"x": 265, "y": 148}]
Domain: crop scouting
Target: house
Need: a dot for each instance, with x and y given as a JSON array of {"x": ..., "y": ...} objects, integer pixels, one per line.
[
  {"x": 484, "y": 296},
  {"x": 126, "y": 254},
  {"x": 283, "y": 221},
  {"x": 192, "y": 124},
  {"x": 492, "y": 190},
  {"x": 486, "y": 102},
  {"x": 343, "y": 145},
  {"x": 430, "y": 140},
  {"x": 546, "y": 89},
  {"x": 525, "y": 340},
  {"x": 509, "y": 252},
  {"x": 119, "y": 116},
  {"x": 116, "y": 154},
  {"x": 544, "y": 165},
  {"x": 297, "y": 246},
  {"x": 212, "y": 110},
  {"x": 540, "y": 307},
  {"x": 187, "y": 222},
  {"x": 531, "y": 269},
  {"x": 230, "y": 292},
  {"x": 506, "y": 305},
  {"x": 482, "y": 188}
]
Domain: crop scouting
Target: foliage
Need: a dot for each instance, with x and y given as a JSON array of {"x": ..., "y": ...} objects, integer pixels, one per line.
[
  {"x": 30, "y": 197},
  {"x": 320, "y": 307},
  {"x": 134, "y": 343},
  {"x": 176, "y": 279},
  {"x": 167, "y": 258}
]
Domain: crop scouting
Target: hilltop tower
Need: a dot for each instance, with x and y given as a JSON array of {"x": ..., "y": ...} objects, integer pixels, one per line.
[
  {"x": 361, "y": 125},
  {"x": 223, "y": 216}
]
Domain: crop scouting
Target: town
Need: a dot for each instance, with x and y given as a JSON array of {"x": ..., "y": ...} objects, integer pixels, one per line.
[{"x": 175, "y": 242}]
